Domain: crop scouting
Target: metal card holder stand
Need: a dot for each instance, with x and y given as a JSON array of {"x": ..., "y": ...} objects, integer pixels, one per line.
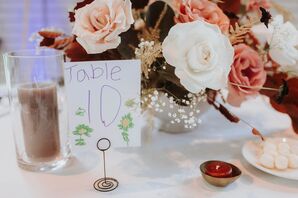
[{"x": 105, "y": 184}]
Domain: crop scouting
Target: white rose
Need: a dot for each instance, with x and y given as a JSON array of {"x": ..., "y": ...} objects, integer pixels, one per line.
[
  {"x": 283, "y": 40},
  {"x": 99, "y": 24},
  {"x": 201, "y": 54}
]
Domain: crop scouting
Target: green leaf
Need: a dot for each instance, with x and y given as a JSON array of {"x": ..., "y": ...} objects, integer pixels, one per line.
[
  {"x": 87, "y": 134},
  {"x": 130, "y": 103},
  {"x": 80, "y": 111},
  {"x": 125, "y": 137},
  {"x": 80, "y": 142}
]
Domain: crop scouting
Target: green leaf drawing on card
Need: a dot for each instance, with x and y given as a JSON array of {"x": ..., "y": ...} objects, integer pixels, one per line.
[
  {"x": 126, "y": 123},
  {"x": 80, "y": 142},
  {"x": 80, "y": 111},
  {"x": 131, "y": 103},
  {"x": 81, "y": 131}
]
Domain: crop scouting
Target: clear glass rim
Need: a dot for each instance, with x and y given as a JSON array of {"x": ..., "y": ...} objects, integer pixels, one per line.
[{"x": 33, "y": 53}]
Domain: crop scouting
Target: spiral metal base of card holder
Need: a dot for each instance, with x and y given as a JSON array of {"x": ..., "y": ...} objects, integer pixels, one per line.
[{"x": 105, "y": 184}]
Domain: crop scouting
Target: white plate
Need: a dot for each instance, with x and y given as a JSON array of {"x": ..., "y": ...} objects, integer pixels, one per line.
[{"x": 251, "y": 150}]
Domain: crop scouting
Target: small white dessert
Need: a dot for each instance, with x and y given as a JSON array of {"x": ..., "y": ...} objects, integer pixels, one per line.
[
  {"x": 294, "y": 149},
  {"x": 293, "y": 161},
  {"x": 270, "y": 152},
  {"x": 269, "y": 148},
  {"x": 281, "y": 162},
  {"x": 278, "y": 155},
  {"x": 267, "y": 160},
  {"x": 269, "y": 145},
  {"x": 283, "y": 145},
  {"x": 284, "y": 149}
]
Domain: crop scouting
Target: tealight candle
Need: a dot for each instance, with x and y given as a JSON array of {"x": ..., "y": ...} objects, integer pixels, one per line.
[
  {"x": 218, "y": 169},
  {"x": 219, "y": 173}
]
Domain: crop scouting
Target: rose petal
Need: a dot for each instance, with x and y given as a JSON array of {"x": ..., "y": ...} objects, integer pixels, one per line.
[{"x": 192, "y": 10}]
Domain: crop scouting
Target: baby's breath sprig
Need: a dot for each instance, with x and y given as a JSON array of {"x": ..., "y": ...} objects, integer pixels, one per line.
[
  {"x": 148, "y": 52},
  {"x": 172, "y": 106}
]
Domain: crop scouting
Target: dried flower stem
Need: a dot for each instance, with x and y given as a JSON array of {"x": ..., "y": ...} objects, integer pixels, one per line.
[
  {"x": 217, "y": 1},
  {"x": 252, "y": 87},
  {"x": 244, "y": 122},
  {"x": 153, "y": 34},
  {"x": 163, "y": 13},
  {"x": 222, "y": 96}
]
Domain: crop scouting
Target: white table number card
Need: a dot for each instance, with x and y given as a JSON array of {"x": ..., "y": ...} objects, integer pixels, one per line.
[{"x": 104, "y": 102}]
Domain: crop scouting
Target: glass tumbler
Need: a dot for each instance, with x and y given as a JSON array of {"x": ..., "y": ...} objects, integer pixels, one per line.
[{"x": 37, "y": 107}]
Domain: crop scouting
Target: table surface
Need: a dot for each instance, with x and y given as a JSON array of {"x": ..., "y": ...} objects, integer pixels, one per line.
[{"x": 165, "y": 167}]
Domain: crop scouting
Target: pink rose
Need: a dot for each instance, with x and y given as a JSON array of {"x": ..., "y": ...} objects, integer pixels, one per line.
[
  {"x": 192, "y": 10},
  {"x": 248, "y": 71},
  {"x": 254, "y": 5},
  {"x": 98, "y": 24}
]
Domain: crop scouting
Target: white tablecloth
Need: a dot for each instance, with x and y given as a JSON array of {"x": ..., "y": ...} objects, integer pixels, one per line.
[{"x": 167, "y": 167}]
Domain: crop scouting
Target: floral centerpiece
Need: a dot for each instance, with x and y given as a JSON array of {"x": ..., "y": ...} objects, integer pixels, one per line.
[{"x": 190, "y": 50}]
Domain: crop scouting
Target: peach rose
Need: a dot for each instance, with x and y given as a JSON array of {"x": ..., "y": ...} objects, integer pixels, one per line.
[
  {"x": 247, "y": 70},
  {"x": 254, "y": 5},
  {"x": 98, "y": 24},
  {"x": 192, "y": 10}
]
